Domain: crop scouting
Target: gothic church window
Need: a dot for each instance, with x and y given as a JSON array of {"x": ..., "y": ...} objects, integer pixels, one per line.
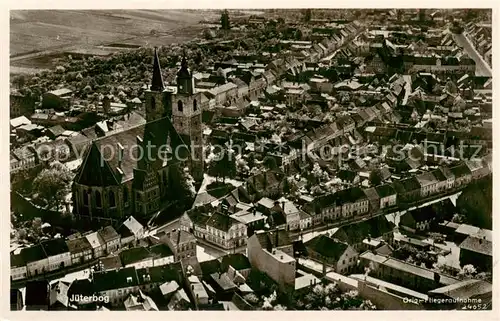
[
  {"x": 98, "y": 200},
  {"x": 179, "y": 106},
  {"x": 125, "y": 195},
  {"x": 86, "y": 198},
  {"x": 112, "y": 202}
]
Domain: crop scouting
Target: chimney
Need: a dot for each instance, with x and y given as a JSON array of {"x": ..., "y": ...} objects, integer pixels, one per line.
[
  {"x": 283, "y": 206},
  {"x": 254, "y": 211}
]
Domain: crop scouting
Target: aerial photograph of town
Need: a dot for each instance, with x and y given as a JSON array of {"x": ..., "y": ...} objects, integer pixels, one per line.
[{"x": 247, "y": 159}]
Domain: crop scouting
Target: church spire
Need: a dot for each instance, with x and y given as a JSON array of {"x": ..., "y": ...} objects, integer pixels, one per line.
[
  {"x": 185, "y": 83},
  {"x": 157, "y": 81}
]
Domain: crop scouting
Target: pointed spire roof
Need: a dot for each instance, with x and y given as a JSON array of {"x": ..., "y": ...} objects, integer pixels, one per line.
[
  {"x": 95, "y": 171},
  {"x": 184, "y": 70},
  {"x": 157, "y": 81}
]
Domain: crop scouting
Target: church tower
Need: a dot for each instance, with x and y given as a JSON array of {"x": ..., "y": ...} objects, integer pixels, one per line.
[
  {"x": 186, "y": 118},
  {"x": 158, "y": 100}
]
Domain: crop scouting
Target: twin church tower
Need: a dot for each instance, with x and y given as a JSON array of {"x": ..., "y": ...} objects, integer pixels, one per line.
[{"x": 182, "y": 106}]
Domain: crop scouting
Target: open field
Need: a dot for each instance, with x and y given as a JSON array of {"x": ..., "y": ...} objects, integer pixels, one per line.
[{"x": 35, "y": 34}]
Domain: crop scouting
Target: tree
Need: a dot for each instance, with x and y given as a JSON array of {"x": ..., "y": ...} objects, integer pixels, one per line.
[
  {"x": 307, "y": 15},
  {"x": 270, "y": 163},
  {"x": 224, "y": 20},
  {"x": 375, "y": 177},
  {"x": 52, "y": 184},
  {"x": 476, "y": 205},
  {"x": 180, "y": 186},
  {"x": 329, "y": 297},
  {"x": 19, "y": 81},
  {"x": 224, "y": 165},
  {"x": 467, "y": 272}
]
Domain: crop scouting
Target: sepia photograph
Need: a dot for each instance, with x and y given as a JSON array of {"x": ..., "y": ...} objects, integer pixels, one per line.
[{"x": 309, "y": 159}]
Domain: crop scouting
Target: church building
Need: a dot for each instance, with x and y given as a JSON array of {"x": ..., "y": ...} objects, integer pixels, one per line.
[{"x": 134, "y": 172}]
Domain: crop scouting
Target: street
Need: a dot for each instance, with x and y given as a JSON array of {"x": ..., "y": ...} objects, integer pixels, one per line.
[{"x": 482, "y": 68}]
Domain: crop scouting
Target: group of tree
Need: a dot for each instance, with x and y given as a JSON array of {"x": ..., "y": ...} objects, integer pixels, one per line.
[
  {"x": 52, "y": 185},
  {"x": 224, "y": 164},
  {"x": 330, "y": 297},
  {"x": 476, "y": 205},
  {"x": 412, "y": 255},
  {"x": 224, "y": 20}
]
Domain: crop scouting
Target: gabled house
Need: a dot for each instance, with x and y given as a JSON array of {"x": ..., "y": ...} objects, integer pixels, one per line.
[
  {"x": 339, "y": 255},
  {"x": 417, "y": 220}
]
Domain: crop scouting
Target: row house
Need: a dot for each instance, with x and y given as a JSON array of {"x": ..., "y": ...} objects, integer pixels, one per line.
[
  {"x": 18, "y": 270},
  {"x": 182, "y": 243},
  {"x": 225, "y": 232},
  {"x": 409, "y": 190},
  {"x": 441, "y": 180},
  {"x": 344, "y": 203},
  {"x": 477, "y": 168},
  {"x": 360, "y": 235},
  {"x": 387, "y": 194},
  {"x": 222, "y": 94},
  {"x": 462, "y": 174},
  {"x": 97, "y": 243},
  {"x": 116, "y": 285},
  {"x": 111, "y": 239},
  {"x": 45, "y": 257},
  {"x": 80, "y": 249},
  {"x": 428, "y": 184}
]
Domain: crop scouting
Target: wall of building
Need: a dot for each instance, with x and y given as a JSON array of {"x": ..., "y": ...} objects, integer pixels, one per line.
[{"x": 385, "y": 300}]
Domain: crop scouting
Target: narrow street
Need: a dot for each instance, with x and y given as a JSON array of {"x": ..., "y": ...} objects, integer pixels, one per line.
[{"x": 482, "y": 68}]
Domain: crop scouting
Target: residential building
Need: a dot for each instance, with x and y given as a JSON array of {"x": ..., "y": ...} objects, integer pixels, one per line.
[
  {"x": 182, "y": 244},
  {"x": 418, "y": 220},
  {"x": 110, "y": 237},
  {"x": 342, "y": 204},
  {"x": 58, "y": 255},
  {"x": 36, "y": 260},
  {"x": 16, "y": 300},
  {"x": 225, "y": 231},
  {"x": 409, "y": 189},
  {"x": 130, "y": 231},
  {"x": 80, "y": 250},
  {"x": 236, "y": 264},
  {"x": 342, "y": 257},
  {"x": 292, "y": 214},
  {"x": 428, "y": 184},
  {"x": 139, "y": 302},
  {"x": 18, "y": 270},
  {"x": 387, "y": 194},
  {"x": 450, "y": 177},
  {"x": 36, "y": 296},
  {"x": 404, "y": 274},
  {"x": 116, "y": 285},
  {"x": 272, "y": 253},
  {"x": 462, "y": 174},
  {"x": 477, "y": 249},
  {"x": 459, "y": 293},
  {"x": 357, "y": 235},
  {"x": 97, "y": 243},
  {"x": 137, "y": 257}
]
